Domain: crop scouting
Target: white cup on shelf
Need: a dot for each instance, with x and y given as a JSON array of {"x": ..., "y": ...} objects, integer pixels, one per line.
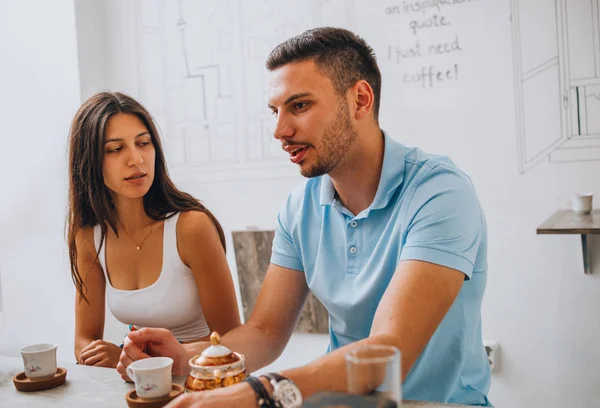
[{"x": 582, "y": 203}]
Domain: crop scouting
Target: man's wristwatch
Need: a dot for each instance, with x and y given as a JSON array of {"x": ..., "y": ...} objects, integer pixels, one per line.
[{"x": 285, "y": 393}]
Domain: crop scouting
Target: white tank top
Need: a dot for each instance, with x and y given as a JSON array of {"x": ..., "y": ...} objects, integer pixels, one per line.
[{"x": 172, "y": 302}]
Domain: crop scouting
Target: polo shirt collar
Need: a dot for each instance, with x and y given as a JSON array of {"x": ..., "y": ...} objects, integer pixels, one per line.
[{"x": 392, "y": 174}]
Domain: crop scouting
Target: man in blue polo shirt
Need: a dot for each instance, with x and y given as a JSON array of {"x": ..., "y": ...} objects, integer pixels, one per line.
[{"x": 390, "y": 239}]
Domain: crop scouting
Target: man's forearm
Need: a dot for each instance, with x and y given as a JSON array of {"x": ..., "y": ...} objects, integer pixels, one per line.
[
  {"x": 328, "y": 373},
  {"x": 258, "y": 346}
]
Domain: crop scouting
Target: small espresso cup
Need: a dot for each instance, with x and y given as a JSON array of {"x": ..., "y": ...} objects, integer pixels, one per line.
[
  {"x": 152, "y": 376},
  {"x": 582, "y": 203},
  {"x": 39, "y": 360}
]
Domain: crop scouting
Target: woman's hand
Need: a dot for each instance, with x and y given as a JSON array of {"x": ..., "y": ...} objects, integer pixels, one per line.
[{"x": 100, "y": 353}]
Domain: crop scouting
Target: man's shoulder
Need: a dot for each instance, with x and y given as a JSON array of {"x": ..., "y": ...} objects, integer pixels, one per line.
[
  {"x": 419, "y": 158},
  {"x": 428, "y": 168},
  {"x": 435, "y": 180}
]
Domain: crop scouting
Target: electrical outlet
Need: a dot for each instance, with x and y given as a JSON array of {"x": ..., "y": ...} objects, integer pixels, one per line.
[{"x": 492, "y": 348}]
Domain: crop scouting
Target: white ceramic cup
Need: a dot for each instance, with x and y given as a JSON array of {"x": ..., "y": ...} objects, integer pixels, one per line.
[
  {"x": 39, "y": 360},
  {"x": 582, "y": 203},
  {"x": 152, "y": 376}
]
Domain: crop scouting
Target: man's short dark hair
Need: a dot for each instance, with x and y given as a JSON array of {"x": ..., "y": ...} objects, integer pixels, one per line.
[{"x": 340, "y": 54}]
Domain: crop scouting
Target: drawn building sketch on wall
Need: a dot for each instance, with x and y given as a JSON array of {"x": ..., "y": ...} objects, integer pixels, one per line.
[
  {"x": 556, "y": 47},
  {"x": 253, "y": 255},
  {"x": 201, "y": 72},
  {"x": 265, "y": 24},
  {"x": 195, "y": 100}
]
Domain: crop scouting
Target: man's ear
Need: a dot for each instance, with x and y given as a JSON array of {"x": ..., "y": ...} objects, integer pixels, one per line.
[{"x": 364, "y": 99}]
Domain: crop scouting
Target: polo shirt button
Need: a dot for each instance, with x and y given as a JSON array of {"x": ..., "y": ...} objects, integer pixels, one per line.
[
  {"x": 352, "y": 250},
  {"x": 353, "y": 224}
]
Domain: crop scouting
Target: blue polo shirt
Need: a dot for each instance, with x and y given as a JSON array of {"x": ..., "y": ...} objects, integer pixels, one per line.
[{"x": 425, "y": 209}]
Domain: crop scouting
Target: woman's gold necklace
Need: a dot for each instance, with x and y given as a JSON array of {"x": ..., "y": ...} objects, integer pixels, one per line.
[{"x": 138, "y": 246}]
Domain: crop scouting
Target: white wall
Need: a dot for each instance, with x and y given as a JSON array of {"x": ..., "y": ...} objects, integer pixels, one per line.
[
  {"x": 539, "y": 306},
  {"x": 39, "y": 83},
  {"x": 92, "y": 46}
]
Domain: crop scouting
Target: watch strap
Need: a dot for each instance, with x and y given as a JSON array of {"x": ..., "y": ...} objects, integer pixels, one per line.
[
  {"x": 275, "y": 376},
  {"x": 262, "y": 396}
]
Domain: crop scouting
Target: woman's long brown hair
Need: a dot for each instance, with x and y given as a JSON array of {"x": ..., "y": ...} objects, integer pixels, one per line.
[{"x": 90, "y": 203}]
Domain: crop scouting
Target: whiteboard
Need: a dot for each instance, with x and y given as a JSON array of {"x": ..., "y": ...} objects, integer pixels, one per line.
[{"x": 451, "y": 70}]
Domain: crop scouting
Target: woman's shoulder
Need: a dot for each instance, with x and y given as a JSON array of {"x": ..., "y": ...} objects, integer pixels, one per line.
[
  {"x": 85, "y": 234},
  {"x": 194, "y": 223},
  {"x": 195, "y": 217},
  {"x": 195, "y": 233},
  {"x": 84, "y": 240}
]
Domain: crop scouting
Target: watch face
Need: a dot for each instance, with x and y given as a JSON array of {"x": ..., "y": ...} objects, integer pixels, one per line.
[{"x": 287, "y": 394}]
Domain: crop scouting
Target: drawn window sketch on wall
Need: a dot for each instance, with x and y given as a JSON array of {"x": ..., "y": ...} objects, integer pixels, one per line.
[
  {"x": 201, "y": 70},
  {"x": 557, "y": 80}
]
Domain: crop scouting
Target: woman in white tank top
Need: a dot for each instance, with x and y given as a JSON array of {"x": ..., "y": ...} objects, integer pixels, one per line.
[{"x": 156, "y": 253}]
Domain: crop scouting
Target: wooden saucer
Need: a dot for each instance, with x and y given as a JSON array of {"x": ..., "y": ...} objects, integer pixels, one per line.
[
  {"x": 22, "y": 383},
  {"x": 133, "y": 401}
]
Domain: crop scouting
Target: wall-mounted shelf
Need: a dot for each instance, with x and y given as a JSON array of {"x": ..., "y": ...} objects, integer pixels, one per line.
[{"x": 569, "y": 222}]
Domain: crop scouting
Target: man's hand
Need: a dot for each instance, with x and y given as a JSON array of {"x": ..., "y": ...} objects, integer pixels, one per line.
[
  {"x": 234, "y": 396},
  {"x": 150, "y": 342},
  {"x": 100, "y": 353}
]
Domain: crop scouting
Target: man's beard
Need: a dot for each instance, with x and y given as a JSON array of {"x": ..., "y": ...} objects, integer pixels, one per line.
[{"x": 337, "y": 139}]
